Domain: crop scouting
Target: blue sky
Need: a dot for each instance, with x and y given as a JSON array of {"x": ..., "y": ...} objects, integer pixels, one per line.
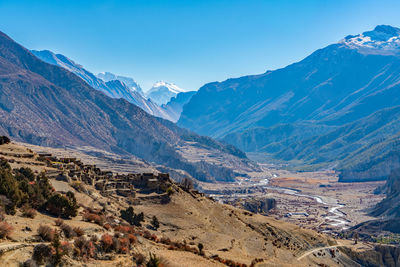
[{"x": 189, "y": 43}]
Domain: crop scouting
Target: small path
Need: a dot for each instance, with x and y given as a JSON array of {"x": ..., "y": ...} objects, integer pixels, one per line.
[
  {"x": 17, "y": 245},
  {"x": 318, "y": 249}
]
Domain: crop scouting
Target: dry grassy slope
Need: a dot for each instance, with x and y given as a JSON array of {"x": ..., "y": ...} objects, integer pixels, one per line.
[
  {"x": 230, "y": 232},
  {"x": 226, "y": 231}
]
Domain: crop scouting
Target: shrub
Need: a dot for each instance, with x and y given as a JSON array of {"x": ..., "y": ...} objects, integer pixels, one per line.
[
  {"x": 154, "y": 238},
  {"x": 155, "y": 223},
  {"x": 139, "y": 259},
  {"x": 29, "y": 263},
  {"x": 107, "y": 226},
  {"x": 41, "y": 253},
  {"x": 2, "y": 215},
  {"x": 138, "y": 219},
  {"x": 9, "y": 187},
  {"x": 165, "y": 240},
  {"x": 66, "y": 248},
  {"x": 57, "y": 255},
  {"x": 132, "y": 238},
  {"x": 94, "y": 238},
  {"x": 4, "y": 140},
  {"x": 59, "y": 222},
  {"x": 28, "y": 212},
  {"x": 63, "y": 206},
  {"x": 68, "y": 231},
  {"x": 79, "y": 231},
  {"x": 124, "y": 245},
  {"x": 201, "y": 247},
  {"x": 86, "y": 248},
  {"x": 45, "y": 232},
  {"x": 154, "y": 261},
  {"x": 5, "y": 229},
  {"x": 169, "y": 191},
  {"x": 107, "y": 242},
  {"x": 116, "y": 244},
  {"x": 147, "y": 234},
  {"x": 127, "y": 215},
  {"x": 92, "y": 217},
  {"x": 124, "y": 229}
]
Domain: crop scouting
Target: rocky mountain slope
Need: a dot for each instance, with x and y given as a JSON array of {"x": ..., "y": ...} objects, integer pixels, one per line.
[
  {"x": 130, "y": 82},
  {"x": 390, "y": 206},
  {"x": 175, "y": 105},
  {"x": 185, "y": 219},
  {"x": 336, "y": 108},
  {"x": 47, "y": 105},
  {"x": 112, "y": 85},
  {"x": 162, "y": 92}
]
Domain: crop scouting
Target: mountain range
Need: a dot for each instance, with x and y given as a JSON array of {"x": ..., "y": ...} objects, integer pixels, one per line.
[
  {"x": 46, "y": 104},
  {"x": 337, "y": 108},
  {"x": 117, "y": 86}
]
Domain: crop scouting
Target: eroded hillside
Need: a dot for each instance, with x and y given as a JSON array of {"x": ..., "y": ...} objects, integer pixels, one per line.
[{"x": 97, "y": 235}]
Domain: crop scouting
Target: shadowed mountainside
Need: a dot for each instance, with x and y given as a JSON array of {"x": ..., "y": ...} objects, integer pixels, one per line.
[
  {"x": 47, "y": 105},
  {"x": 337, "y": 108}
]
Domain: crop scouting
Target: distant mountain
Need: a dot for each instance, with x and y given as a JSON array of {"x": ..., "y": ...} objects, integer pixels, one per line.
[
  {"x": 108, "y": 83},
  {"x": 175, "y": 106},
  {"x": 337, "y": 108},
  {"x": 131, "y": 83},
  {"x": 45, "y": 104},
  {"x": 162, "y": 92}
]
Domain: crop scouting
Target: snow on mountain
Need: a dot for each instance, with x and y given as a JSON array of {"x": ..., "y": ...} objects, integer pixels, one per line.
[
  {"x": 384, "y": 40},
  {"x": 66, "y": 63},
  {"x": 162, "y": 92},
  {"x": 131, "y": 83},
  {"x": 121, "y": 87}
]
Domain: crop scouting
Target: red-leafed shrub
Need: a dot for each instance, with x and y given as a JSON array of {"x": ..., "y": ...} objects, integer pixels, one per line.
[
  {"x": 124, "y": 245},
  {"x": 123, "y": 229},
  {"x": 132, "y": 238},
  {"x": 88, "y": 250},
  {"x": 92, "y": 217},
  {"x": 106, "y": 242},
  {"x": 154, "y": 238},
  {"x": 107, "y": 226},
  {"x": 147, "y": 234},
  {"x": 65, "y": 248},
  {"x": 5, "y": 229}
]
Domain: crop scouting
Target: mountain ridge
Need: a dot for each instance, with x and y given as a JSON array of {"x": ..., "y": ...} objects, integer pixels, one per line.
[
  {"x": 41, "y": 103},
  {"x": 105, "y": 82},
  {"x": 333, "y": 87}
]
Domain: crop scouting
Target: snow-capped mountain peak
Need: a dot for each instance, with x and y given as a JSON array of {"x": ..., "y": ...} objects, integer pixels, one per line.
[
  {"x": 384, "y": 39},
  {"x": 172, "y": 87},
  {"x": 128, "y": 81},
  {"x": 162, "y": 92}
]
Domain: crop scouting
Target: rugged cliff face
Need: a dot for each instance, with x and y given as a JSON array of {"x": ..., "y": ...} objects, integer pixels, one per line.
[
  {"x": 390, "y": 206},
  {"x": 379, "y": 256}
]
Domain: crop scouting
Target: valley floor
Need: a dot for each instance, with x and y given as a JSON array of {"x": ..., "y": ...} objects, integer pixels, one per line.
[{"x": 313, "y": 200}]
